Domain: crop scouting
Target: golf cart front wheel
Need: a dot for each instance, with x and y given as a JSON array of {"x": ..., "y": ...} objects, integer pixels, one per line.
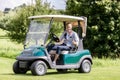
[
  {"x": 17, "y": 69},
  {"x": 38, "y": 68},
  {"x": 85, "y": 66}
]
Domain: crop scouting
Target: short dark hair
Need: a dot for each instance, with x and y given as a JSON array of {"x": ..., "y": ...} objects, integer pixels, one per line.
[{"x": 68, "y": 23}]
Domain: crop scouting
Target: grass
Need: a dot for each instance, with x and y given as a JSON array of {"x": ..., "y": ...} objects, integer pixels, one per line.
[
  {"x": 101, "y": 70},
  {"x": 8, "y": 48},
  {"x": 2, "y": 33}
]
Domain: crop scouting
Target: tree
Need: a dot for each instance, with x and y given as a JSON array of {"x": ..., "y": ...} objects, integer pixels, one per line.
[
  {"x": 103, "y": 28},
  {"x": 17, "y": 24}
]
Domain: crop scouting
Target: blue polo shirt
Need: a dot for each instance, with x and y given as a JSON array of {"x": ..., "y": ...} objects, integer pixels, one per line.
[{"x": 68, "y": 38}]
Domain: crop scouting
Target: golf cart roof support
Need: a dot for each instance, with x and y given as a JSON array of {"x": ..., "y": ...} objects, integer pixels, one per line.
[
  {"x": 51, "y": 21},
  {"x": 64, "y": 23},
  {"x": 24, "y": 45},
  {"x": 79, "y": 30}
]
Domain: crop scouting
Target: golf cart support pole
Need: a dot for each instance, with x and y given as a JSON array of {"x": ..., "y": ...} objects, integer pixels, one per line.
[
  {"x": 80, "y": 37},
  {"x": 79, "y": 30},
  {"x": 49, "y": 29},
  {"x": 24, "y": 45},
  {"x": 64, "y": 23}
]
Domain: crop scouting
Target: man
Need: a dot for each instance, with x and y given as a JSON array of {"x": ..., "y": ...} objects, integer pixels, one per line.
[{"x": 68, "y": 40}]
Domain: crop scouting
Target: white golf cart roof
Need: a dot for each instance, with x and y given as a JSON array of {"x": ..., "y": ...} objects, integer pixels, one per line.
[
  {"x": 62, "y": 18},
  {"x": 58, "y": 17}
]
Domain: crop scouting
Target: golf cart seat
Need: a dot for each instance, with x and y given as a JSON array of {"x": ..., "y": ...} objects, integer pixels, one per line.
[{"x": 62, "y": 52}]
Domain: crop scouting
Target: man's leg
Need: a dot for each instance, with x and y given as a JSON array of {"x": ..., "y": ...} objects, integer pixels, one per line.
[
  {"x": 53, "y": 50},
  {"x": 55, "y": 59},
  {"x": 58, "y": 51}
]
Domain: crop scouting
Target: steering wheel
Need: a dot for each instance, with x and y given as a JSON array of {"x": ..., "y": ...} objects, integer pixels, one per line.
[{"x": 54, "y": 37}]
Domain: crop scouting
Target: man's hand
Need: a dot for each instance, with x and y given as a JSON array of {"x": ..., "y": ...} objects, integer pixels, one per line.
[
  {"x": 61, "y": 42},
  {"x": 74, "y": 42}
]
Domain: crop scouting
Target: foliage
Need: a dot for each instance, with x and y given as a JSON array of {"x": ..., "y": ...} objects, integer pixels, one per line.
[
  {"x": 103, "y": 28},
  {"x": 17, "y": 24}
]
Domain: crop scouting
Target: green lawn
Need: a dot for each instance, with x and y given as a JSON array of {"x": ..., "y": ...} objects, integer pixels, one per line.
[
  {"x": 7, "y": 47},
  {"x": 101, "y": 70}
]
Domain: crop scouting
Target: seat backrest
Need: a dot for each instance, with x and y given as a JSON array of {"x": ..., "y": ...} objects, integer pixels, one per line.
[
  {"x": 64, "y": 52},
  {"x": 80, "y": 45}
]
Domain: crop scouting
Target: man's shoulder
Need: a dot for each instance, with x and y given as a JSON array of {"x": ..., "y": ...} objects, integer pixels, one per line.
[{"x": 74, "y": 32}]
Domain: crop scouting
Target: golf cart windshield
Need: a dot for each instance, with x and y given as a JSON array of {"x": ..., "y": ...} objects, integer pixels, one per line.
[{"x": 37, "y": 33}]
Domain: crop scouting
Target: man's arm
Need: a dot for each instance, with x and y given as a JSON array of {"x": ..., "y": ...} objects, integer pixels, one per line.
[
  {"x": 75, "y": 43},
  {"x": 76, "y": 40}
]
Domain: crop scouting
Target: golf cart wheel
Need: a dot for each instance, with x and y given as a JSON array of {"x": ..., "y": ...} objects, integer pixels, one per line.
[
  {"x": 62, "y": 70},
  {"x": 38, "y": 68},
  {"x": 18, "y": 70},
  {"x": 85, "y": 66}
]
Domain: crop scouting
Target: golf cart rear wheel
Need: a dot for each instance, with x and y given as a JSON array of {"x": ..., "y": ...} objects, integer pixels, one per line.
[
  {"x": 38, "y": 68},
  {"x": 85, "y": 66},
  {"x": 62, "y": 70},
  {"x": 18, "y": 70}
]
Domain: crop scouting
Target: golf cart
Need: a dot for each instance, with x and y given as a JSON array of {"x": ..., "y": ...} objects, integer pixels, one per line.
[{"x": 35, "y": 56}]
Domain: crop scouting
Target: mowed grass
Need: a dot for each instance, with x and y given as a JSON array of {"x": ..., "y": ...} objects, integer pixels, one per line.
[{"x": 101, "y": 70}]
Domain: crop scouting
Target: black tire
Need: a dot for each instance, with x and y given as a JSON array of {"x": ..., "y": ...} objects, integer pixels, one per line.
[
  {"x": 85, "y": 66},
  {"x": 38, "y": 68},
  {"x": 62, "y": 70},
  {"x": 18, "y": 70}
]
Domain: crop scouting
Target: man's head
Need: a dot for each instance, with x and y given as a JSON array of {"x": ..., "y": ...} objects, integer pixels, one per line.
[{"x": 69, "y": 27}]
